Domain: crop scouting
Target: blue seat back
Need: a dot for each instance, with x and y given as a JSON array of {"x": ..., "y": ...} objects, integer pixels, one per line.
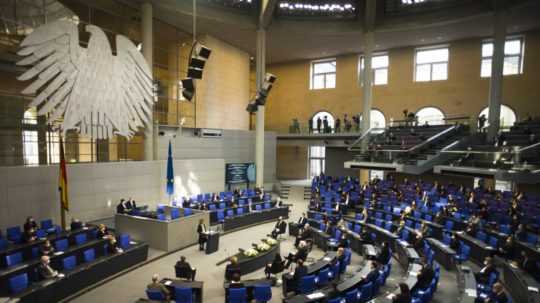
[
  {"x": 69, "y": 262},
  {"x": 46, "y": 224},
  {"x": 532, "y": 238},
  {"x": 155, "y": 295},
  {"x": 267, "y": 205},
  {"x": 162, "y": 217},
  {"x": 41, "y": 233},
  {"x": 80, "y": 239},
  {"x": 175, "y": 213},
  {"x": 89, "y": 255},
  {"x": 61, "y": 245},
  {"x": 230, "y": 213},
  {"x": 183, "y": 295},
  {"x": 3, "y": 244},
  {"x": 358, "y": 228},
  {"x": 351, "y": 296},
  {"x": 237, "y": 295},
  {"x": 493, "y": 241},
  {"x": 14, "y": 259},
  {"x": 262, "y": 293},
  {"x": 18, "y": 283},
  {"x": 222, "y": 205},
  {"x": 323, "y": 276},
  {"x": 14, "y": 233},
  {"x": 258, "y": 207},
  {"x": 240, "y": 211},
  {"x": 307, "y": 284},
  {"x": 449, "y": 224},
  {"x": 335, "y": 300},
  {"x": 366, "y": 292},
  {"x": 124, "y": 241},
  {"x": 188, "y": 212}
]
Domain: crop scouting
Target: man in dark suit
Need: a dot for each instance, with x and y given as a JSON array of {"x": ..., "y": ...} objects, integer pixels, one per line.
[
  {"x": 373, "y": 274},
  {"x": 279, "y": 228},
  {"x": 156, "y": 286},
  {"x": 30, "y": 224},
  {"x": 483, "y": 275},
  {"x": 425, "y": 276},
  {"x": 184, "y": 270},
  {"x": 302, "y": 221},
  {"x": 304, "y": 235},
  {"x": 75, "y": 224},
  {"x": 299, "y": 272},
  {"x": 202, "y": 230},
  {"x": 45, "y": 270},
  {"x": 384, "y": 256},
  {"x": 121, "y": 207},
  {"x": 232, "y": 269},
  {"x": 497, "y": 295},
  {"x": 301, "y": 254}
]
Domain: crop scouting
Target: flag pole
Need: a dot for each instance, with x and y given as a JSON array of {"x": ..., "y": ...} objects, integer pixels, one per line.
[{"x": 62, "y": 184}]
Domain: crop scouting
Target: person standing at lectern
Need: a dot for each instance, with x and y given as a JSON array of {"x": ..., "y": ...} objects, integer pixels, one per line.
[{"x": 202, "y": 229}]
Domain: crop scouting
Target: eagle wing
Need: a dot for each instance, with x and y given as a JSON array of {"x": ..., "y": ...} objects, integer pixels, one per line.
[
  {"x": 135, "y": 80},
  {"x": 54, "y": 54}
]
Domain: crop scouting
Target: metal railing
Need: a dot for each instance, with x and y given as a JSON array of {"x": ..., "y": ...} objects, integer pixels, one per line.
[{"x": 420, "y": 145}]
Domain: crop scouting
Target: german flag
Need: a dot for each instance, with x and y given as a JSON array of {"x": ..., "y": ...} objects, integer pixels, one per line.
[{"x": 62, "y": 179}]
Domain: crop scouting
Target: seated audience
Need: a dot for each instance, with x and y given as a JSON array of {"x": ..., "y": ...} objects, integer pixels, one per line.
[
  {"x": 112, "y": 246},
  {"x": 46, "y": 249},
  {"x": 508, "y": 249},
  {"x": 29, "y": 235},
  {"x": 184, "y": 269},
  {"x": 425, "y": 276},
  {"x": 30, "y": 224},
  {"x": 232, "y": 269},
  {"x": 305, "y": 234},
  {"x": 497, "y": 295},
  {"x": 279, "y": 228},
  {"x": 404, "y": 295},
  {"x": 102, "y": 232},
  {"x": 299, "y": 272},
  {"x": 76, "y": 224},
  {"x": 482, "y": 277},
  {"x": 157, "y": 286},
  {"x": 373, "y": 274},
  {"x": 301, "y": 253},
  {"x": 384, "y": 255},
  {"x": 277, "y": 266},
  {"x": 343, "y": 241},
  {"x": 45, "y": 271}
]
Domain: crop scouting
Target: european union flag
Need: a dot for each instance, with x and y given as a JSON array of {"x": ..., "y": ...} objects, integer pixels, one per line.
[{"x": 170, "y": 172}]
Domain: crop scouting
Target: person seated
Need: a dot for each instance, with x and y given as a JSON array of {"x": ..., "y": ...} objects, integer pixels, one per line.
[
  {"x": 76, "y": 224},
  {"x": 482, "y": 277},
  {"x": 279, "y": 228},
  {"x": 157, "y": 286},
  {"x": 404, "y": 295},
  {"x": 497, "y": 295},
  {"x": 30, "y": 224},
  {"x": 184, "y": 270},
  {"x": 301, "y": 253},
  {"x": 528, "y": 263},
  {"x": 112, "y": 246},
  {"x": 236, "y": 281},
  {"x": 384, "y": 255},
  {"x": 343, "y": 241},
  {"x": 299, "y": 272},
  {"x": 373, "y": 274},
  {"x": 232, "y": 268},
  {"x": 366, "y": 237},
  {"x": 425, "y": 276},
  {"x": 29, "y": 235},
  {"x": 277, "y": 266},
  {"x": 46, "y": 249},
  {"x": 102, "y": 232},
  {"x": 302, "y": 221},
  {"x": 521, "y": 233},
  {"x": 45, "y": 271},
  {"x": 121, "y": 207},
  {"x": 304, "y": 235},
  {"x": 508, "y": 249}
]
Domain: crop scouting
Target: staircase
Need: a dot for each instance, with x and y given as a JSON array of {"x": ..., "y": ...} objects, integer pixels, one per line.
[
  {"x": 307, "y": 193},
  {"x": 284, "y": 191}
]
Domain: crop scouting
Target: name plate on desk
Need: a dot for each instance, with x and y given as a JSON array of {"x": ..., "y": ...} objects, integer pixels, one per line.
[
  {"x": 168, "y": 283},
  {"x": 471, "y": 292},
  {"x": 532, "y": 289},
  {"x": 314, "y": 296}
]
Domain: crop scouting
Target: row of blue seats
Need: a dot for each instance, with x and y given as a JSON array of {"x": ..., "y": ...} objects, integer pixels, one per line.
[
  {"x": 229, "y": 213},
  {"x": 14, "y": 234},
  {"x": 21, "y": 281},
  {"x": 261, "y": 294}
]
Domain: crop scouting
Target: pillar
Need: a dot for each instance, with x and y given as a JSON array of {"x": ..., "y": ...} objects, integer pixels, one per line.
[
  {"x": 259, "y": 127},
  {"x": 366, "y": 81},
  {"x": 147, "y": 51},
  {"x": 496, "y": 80}
]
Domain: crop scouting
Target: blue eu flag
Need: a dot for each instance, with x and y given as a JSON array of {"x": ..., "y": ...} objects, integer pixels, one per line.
[{"x": 170, "y": 172}]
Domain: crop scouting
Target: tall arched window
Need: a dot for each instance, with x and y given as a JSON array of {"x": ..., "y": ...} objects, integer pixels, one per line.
[
  {"x": 30, "y": 138},
  {"x": 322, "y": 115},
  {"x": 508, "y": 116},
  {"x": 430, "y": 115},
  {"x": 377, "y": 119}
]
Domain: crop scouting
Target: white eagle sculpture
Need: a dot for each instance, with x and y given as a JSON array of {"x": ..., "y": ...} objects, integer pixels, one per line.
[{"x": 97, "y": 94}]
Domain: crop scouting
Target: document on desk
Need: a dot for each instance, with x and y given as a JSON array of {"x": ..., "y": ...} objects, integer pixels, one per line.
[
  {"x": 471, "y": 292},
  {"x": 533, "y": 289},
  {"x": 327, "y": 259},
  {"x": 315, "y": 296},
  {"x": 168, "y": 283}
]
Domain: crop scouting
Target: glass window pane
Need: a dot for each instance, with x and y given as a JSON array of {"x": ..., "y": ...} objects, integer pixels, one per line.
[
  {"x": 379, "y": 61},
  {"x": 511, "y": 65},
  {"x": 330, "y": 81},
  {"x": 487, "y": 49},
  {"x": 432, "y": 55},
  {"x": 30, "y": 147},
  {"x": 485, "y": 70},
  {"x": 324, "y": 67},
  {"x": 440, "y": 71},
  {"x": 423, "y": 72},
  {"x": 431, "y": 115},
  {"x": 380, "y": 76},
  {"x": 318, "y": 82},
  {"x": 512, "y": 47}
]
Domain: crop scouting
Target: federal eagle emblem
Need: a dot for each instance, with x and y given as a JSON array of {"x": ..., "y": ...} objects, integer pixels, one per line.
[{"x": 97, "y": 93}]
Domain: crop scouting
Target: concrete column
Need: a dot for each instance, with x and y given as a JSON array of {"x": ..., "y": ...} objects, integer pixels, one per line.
[
  {"x": 367, "y": 76},
  {"x": 259, "y": 128},
  {"x": 496, "y": 81},
  {"x": 147, "y": 51}
]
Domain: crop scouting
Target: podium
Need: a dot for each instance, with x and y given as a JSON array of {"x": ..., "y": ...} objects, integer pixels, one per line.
[{"x": 212, "y": 242}]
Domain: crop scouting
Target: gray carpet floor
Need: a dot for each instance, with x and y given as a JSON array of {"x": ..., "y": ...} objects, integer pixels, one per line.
[{"x": 131, "y": 286}]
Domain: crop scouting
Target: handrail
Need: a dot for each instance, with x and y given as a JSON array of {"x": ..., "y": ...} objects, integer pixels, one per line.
[
  {"x": 417, "y": 146},
  {"x": 537, "y": 144},
  {"x": 487, "y": 152},
  {"x": 350, "y": 148}
]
